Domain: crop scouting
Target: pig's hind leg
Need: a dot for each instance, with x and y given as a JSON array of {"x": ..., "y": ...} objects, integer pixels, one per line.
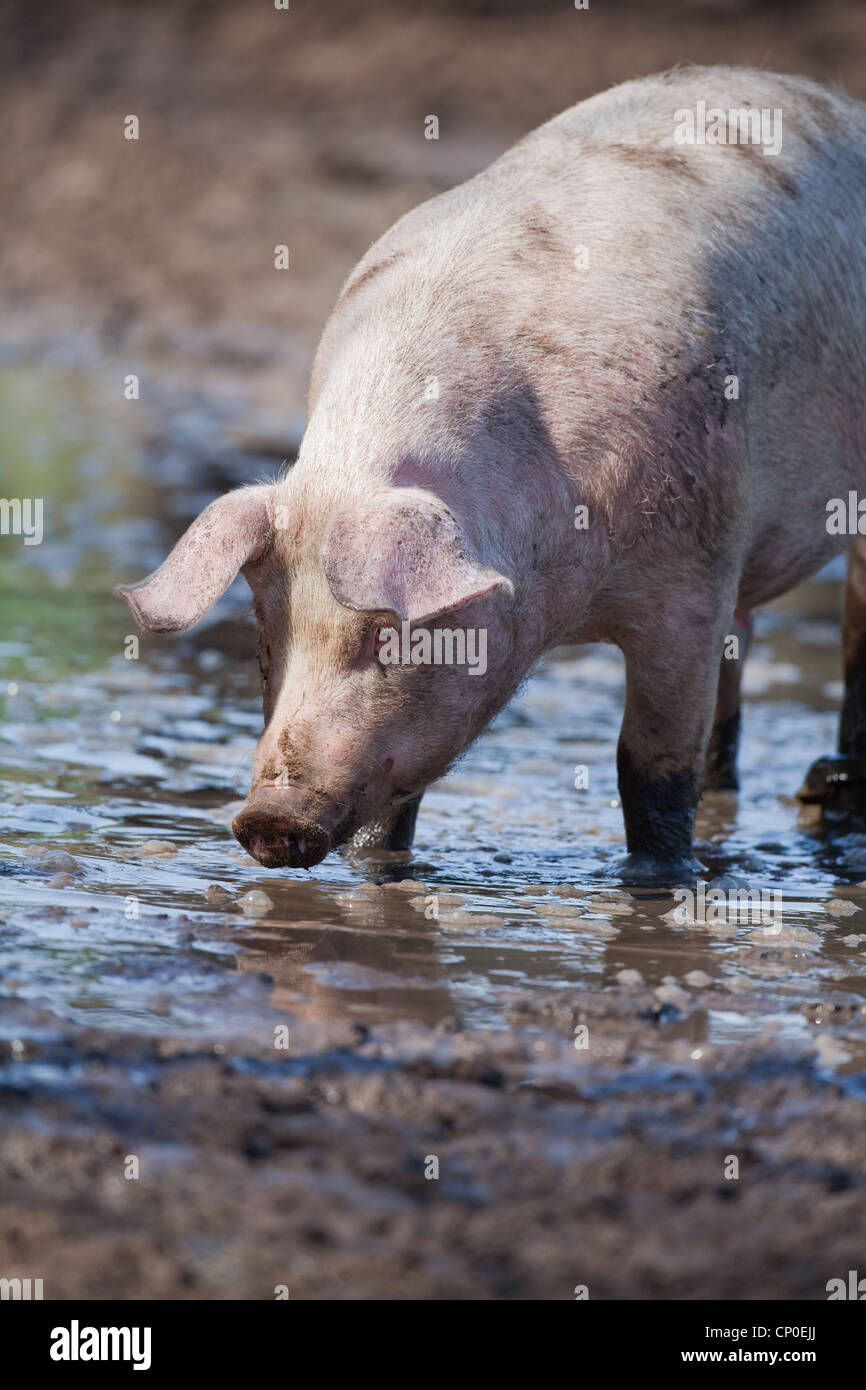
[
  {"x": 838, "y": 784},
  {"x": 720, "y": 772}
]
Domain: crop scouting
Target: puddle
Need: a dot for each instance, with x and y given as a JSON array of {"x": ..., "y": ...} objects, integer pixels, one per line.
[{"x": 101, "y": 755}]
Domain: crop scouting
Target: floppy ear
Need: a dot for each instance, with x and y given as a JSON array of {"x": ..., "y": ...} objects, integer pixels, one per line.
[
  {"x": 402, "y": 551},
  {"x": 232, "y": 532}
]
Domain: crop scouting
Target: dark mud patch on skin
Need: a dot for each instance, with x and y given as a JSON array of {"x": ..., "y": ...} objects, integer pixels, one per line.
[
  {"x": 557, "y": 1167},
  {"x": 291, "y": 767}
]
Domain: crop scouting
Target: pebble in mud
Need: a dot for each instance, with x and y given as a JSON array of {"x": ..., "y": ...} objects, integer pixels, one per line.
[
  {"x": 829, "y": 1051},
  {"x": 588, "y": 926},
  {"x": 153, "y": 847},
  {"x": 780, "y": 934},
  {"x": 367, "y": 889},
  {"x": 728, "y": 883},
  {"x": 629, "y": 978},
  {"x": 364, "y": 898},
  {"x": 468, "y": 919},
  {"x": 255, "y": 903},
  {"x": 672, "y": 994},
  {"x": 53, "y": 861},
  {"x": 214, "y": 893},
  {"x": 841, "y": 907},
  {"x": 442, "y": 900},
  {"x": 555, "y": 909},
  {"x": 697, "y": 979}
]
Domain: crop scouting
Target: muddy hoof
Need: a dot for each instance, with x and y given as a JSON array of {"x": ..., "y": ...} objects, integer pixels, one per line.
[
  {"x": 643, "y": 868},
  {"x": 838, "y": 784}
]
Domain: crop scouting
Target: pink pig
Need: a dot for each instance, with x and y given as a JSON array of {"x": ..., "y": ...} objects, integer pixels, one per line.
[{"x": 604, "y": 391}]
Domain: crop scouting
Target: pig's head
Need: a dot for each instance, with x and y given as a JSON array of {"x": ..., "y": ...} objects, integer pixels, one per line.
[{"x": 359, "y": 714}]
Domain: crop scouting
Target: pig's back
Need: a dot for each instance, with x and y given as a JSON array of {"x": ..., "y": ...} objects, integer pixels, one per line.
[
  {"x": 627, "y": 278},
  {"x": 722, "y": 262},
  {"x": 727, "y": 232}
]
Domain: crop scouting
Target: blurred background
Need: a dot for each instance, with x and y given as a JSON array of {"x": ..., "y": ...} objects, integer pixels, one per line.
[{"x": 303, "y": 127}]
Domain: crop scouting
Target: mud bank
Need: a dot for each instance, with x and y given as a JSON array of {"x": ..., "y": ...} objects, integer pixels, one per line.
[{"x": 554, "y": 1170}]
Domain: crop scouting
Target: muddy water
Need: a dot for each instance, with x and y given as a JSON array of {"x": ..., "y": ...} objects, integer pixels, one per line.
[
  {"x": 124, "y": 899},
  {"x": 123, "y": 892}
]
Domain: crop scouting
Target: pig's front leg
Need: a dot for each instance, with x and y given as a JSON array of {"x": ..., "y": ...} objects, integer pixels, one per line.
[
  {"x": 392, "y": 832},
  {"x": 672, "y": 675}
]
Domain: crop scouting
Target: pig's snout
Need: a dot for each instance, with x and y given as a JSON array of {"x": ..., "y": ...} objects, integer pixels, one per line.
[{"x": 277, "y": 837}]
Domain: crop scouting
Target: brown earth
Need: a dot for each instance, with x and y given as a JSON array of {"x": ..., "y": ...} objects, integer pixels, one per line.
[
  {"x": 607, "y": 1168},
  {"x": 303, "y": 127}
]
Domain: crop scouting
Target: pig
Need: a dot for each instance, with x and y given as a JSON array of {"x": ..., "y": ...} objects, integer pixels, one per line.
[{"x": 604, "y": 391}]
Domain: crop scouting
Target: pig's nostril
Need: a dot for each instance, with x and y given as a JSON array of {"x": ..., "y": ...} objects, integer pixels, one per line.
[
  {"x": 278, "y": 841},
  {"x": 255, "y": 846}
]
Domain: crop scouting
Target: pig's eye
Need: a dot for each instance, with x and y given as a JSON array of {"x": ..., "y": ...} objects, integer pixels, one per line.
[
  {"x": 383, "y": 649},
  {"x": 390, "y": 655}
]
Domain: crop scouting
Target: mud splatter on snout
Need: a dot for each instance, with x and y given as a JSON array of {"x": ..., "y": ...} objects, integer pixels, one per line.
[{"x": 286, "y": 765}]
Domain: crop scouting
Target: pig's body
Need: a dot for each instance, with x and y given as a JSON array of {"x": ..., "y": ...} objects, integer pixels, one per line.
[
  {"x": 562, "y": 332},
  {"x": 703, "y": 262}
]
